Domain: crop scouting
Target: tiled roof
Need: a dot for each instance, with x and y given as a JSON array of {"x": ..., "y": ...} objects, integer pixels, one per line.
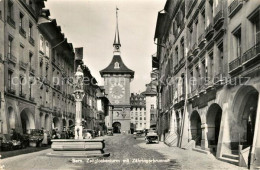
[{"x": 110, "y": 69}]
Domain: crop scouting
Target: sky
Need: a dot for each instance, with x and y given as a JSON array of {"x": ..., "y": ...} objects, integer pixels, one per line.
[{"x": 91, "y": 24}]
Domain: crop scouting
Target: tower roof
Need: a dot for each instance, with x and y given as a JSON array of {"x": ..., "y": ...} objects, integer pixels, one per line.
[
  {"x": 117, "y": 38},
  {"x": 113, "y": 69},
  {"x": 117, "y": 65}
]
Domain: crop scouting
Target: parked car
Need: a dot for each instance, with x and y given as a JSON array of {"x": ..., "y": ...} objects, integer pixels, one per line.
[
  {"x": 6, "y": 143},
  {"x": 35, "y": 137},
  {"x": 138, "y": 133},
  {"x": 152, "y": 137}
]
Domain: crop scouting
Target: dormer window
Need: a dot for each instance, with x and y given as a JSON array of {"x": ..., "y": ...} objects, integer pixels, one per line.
[{"x": 116, "y": 65}]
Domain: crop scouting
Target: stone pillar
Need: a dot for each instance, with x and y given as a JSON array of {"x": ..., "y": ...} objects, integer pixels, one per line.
[
  {"x": 204, "y": 137},
  {"x": 215, "y": 60},
  {"x": 172, "y": 124},
  {"x": 255, "y": 153},
  {"x": 78, "y": 120}
]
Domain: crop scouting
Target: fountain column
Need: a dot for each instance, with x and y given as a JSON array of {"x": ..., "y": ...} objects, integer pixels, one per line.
[{"x": 78, "y": 95}]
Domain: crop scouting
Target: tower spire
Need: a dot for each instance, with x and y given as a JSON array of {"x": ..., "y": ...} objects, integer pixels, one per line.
[{"x": 117, "y": 43}]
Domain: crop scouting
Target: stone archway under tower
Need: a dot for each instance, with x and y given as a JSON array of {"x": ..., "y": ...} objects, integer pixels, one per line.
[{"x": 116, "y": 127}]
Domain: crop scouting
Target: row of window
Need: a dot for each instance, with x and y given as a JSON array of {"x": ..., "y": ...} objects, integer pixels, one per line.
[{"x": 10, "y": 15}]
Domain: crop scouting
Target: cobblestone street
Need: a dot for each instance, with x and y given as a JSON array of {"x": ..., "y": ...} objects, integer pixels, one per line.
[{"x": 121, "y": 147}]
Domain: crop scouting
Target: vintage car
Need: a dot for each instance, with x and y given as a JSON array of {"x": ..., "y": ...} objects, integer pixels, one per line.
[
  {"x": 138, "y": 133},
  {"x": 110, "y": 131},
  {"x": 152, "y": 137},
  {"x": 35, "y": 137},
  {"x": 6, "y": 143},
  {"x": 22, "y": 141}
]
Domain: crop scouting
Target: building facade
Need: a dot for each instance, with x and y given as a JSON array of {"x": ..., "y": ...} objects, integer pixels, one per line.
[
  {"x": 117, "y": 78},
  {"x": 214, "y": 94},
  {"x": 2, "y": 71},
  {"x": 20, "y": 38},
  {"x": 103, "y": 107},
  {"x": 55, "y": 71},
  {"x": 138, "y": 111},
  {"x": 38, "y": 69},
  {"x": 151, "y": 106}
]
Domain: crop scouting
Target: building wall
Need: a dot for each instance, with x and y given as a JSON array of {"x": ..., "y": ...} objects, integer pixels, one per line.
[
  {"x": 19, "y": 102},
  {"x": 151, "y": 106},
  {"x": 39, "y": 101},
  {"x": 2, "y": 54},
  {"x": 221, "y": 44}
]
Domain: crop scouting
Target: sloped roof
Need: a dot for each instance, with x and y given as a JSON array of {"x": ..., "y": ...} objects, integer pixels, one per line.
[
  {"x": 149, "y": 91},
  {"x": 110, "y": 69}
]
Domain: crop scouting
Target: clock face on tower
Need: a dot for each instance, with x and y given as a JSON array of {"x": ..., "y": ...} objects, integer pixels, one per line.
[{"x": 117, "y": 91}]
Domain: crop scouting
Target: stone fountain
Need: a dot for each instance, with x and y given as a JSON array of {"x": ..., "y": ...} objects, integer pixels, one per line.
[{"x": 78, "y": 147}]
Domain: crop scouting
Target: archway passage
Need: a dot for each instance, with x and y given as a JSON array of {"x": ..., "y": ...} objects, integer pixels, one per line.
[
  {"x": 245, "y": 108},
  {"x": 117, "y": 127},
  {"x": 213, "y": 120},
  {"x": 11, "y": 117},
  {"x": 195, "y": 127},
  {"x": 27, "y": 120},
  {"x": 56, "y": 123}
]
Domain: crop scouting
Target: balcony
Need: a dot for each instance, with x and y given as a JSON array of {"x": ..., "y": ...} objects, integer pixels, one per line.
[
  {"x": 12, "y": 58},
  {"x": 202, "y": 87},
  {"x": 209, "y": 32},
  {"x": 10, "y": 21},
  {"x": 195, "y": 93},
  {"x": 234, "y": 7},
  {"x": 47, "y": 64},
  {"x": 47, "y": 82},
  {"x": 190, "y": 55},
  {"x": 56, "y": 86},
  {"x": 218, "y": 79},
  {"x": 11, "y": 91},
  {"x": 235, "y": 65},
  {"x": 218, "y": 19},
  {"x": 251, "y": 56},
  {"x": 22, "y": 32},
  {"x": 32, "y": 71},
  {"x": 23, "y": 65},
  {"x": 22, "y": 95},
  {"x": 195, "y": 49},
  {"x": 41, "y": 60},
  {"x": 31, "y": 40},
  {"x": 201, "y": 40},
  {"x": 182, "y": 61}
]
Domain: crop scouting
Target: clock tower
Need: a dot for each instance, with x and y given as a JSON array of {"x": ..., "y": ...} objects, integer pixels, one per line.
[{"x": 117, "y": 78}]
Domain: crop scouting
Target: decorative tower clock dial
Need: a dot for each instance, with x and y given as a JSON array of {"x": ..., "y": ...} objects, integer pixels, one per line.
[{"x": 117, "y": 91}]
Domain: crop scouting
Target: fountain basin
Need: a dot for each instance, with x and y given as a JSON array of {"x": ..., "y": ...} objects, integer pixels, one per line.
[
  {"x": 77, "y": 144},
  {"x": 78, "y": 148}
]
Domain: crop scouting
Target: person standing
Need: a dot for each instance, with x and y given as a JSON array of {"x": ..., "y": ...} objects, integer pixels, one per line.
[{"x": 45, "y": 138}]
